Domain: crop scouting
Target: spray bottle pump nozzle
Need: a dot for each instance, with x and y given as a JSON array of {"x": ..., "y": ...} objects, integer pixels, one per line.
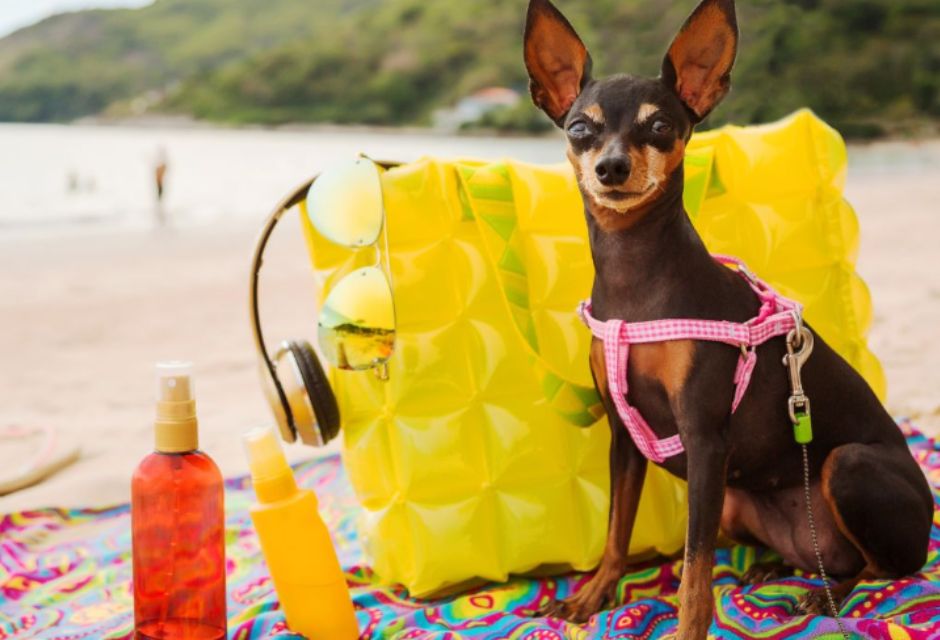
[
  {"x": 176, "y": 426},
  {"x": 270, "y": 473}
]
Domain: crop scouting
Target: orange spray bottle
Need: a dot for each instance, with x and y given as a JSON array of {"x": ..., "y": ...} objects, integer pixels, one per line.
[
  {"x": 178, "y": 522},
  {"x": 297, "y": 547}
]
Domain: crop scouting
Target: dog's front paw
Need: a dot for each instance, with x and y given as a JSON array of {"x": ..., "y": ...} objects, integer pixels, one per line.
[
  {"x": 553, "y": 609},
  {"x": 595, "y": 596},
  {"x": 577, "y": 609}
]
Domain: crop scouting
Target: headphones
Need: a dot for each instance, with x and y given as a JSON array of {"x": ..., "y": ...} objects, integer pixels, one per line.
[{"x": 294, "y": 381}]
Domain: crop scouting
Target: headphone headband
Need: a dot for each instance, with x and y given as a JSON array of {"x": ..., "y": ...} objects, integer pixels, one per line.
[{"x": 295, "y": 198}]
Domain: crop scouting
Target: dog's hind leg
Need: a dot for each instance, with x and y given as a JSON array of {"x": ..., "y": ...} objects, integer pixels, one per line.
[
  {"x": 761, "y": 572},
  {"x": 881, "y": 502}
]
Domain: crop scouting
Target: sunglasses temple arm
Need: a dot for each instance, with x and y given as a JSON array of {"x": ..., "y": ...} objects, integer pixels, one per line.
[{"x": 257, "y": 260}]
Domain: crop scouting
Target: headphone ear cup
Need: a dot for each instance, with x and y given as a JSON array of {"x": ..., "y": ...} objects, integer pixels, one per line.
[
  {"x": 281, "y": 409},
  {"x": 319, "y": 393}
]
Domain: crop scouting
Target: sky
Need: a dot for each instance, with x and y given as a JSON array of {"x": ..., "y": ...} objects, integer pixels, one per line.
[{"x": 15, "y": 14}]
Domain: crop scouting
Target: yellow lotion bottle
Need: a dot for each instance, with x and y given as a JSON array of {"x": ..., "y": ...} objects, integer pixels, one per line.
[{"x": 297, "y": 546}]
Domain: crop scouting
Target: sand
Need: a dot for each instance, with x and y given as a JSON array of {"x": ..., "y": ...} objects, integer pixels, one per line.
[{"x": 85, "y": 315}]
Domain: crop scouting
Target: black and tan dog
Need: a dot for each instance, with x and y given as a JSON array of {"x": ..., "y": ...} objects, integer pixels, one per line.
[{"x": 626, "y": 141}]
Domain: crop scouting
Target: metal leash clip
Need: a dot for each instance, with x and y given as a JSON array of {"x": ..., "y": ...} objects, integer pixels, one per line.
[{"x": 799, "y": 348}]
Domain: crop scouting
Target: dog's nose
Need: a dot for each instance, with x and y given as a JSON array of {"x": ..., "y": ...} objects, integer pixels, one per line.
[{"x": 613, "y": 170}]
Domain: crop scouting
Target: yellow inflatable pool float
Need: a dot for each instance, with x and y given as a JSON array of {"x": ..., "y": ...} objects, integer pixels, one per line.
[{"x": 469, "y": 460}]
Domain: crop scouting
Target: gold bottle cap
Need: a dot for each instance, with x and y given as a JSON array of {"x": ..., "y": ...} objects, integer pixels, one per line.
[{"x": 175, "y": 428}]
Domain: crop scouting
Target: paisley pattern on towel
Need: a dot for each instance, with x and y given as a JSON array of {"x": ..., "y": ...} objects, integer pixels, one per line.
[{"x": 65, "y": 575}]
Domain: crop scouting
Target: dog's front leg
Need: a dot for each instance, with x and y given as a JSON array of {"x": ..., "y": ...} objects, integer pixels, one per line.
[
  {"x": 627, "y": 473},
  {"x": 707, "y": 466}
]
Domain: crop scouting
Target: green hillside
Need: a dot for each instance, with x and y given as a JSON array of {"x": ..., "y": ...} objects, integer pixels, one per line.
[
  {"x": 79, "y": 63},
  {"x": 866, "y": 65}
]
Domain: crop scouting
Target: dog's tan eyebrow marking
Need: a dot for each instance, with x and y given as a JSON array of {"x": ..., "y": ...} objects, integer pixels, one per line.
[
  {"x": 646, "y": 111},
  {"x": 595, "y": 113}
]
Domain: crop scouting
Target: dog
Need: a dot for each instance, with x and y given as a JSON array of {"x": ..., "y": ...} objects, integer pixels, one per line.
[{"x": 626, "y": 141}]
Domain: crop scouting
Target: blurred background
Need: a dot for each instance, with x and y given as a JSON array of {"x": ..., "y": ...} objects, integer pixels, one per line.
[{"x": 143, "y": 142}]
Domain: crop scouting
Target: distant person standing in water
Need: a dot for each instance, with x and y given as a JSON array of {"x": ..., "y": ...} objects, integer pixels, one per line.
[{"x": 159, "y": 176}]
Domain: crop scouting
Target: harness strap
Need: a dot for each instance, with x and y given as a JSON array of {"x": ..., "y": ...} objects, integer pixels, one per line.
[
  {"x": 777, "y": 316},
  {"x": 742, "y": 376},
  {"x": 616, "y": 353}
]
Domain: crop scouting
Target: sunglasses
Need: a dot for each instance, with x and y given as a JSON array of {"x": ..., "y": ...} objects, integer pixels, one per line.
[{"x": 356, "y": 327}]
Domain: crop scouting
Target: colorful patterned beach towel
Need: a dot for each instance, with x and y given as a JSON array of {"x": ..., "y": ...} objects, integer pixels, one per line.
[{"x": 65, "y": 574}]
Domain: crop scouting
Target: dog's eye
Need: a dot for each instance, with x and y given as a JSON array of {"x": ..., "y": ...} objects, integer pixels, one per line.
[
  {"x": 579, "y": 130},
  {"x": 661, "y": 126}
]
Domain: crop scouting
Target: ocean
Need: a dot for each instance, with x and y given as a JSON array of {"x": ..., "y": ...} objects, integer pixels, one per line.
[
  {"x": 81, "y": 176},
  {"x": 68, "y": 177}
]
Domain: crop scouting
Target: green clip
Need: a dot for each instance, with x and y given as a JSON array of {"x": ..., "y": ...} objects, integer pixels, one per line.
[{"x": 803, "y": 429}]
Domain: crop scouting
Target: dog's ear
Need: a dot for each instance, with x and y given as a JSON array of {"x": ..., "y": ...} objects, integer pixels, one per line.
[
  {"x": 558, "y": 63},
  {"x": 698, "y": 64}
]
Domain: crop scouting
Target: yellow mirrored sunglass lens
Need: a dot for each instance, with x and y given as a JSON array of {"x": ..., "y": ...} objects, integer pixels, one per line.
[
  {"x": 357, "y": 322},
  {"x": 345, "y": 204}
]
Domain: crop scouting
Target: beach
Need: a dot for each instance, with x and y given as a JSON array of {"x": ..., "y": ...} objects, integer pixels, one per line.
[{"x": 87, "y": 308}]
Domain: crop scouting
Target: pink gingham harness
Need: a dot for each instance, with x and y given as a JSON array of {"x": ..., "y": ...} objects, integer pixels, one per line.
[{"x": 777, "y": 316}]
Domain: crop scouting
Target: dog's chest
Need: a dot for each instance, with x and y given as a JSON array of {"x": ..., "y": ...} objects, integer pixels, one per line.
[
  {"x": 656, "y": 376},
  {"x": 666, "y": 364}
]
